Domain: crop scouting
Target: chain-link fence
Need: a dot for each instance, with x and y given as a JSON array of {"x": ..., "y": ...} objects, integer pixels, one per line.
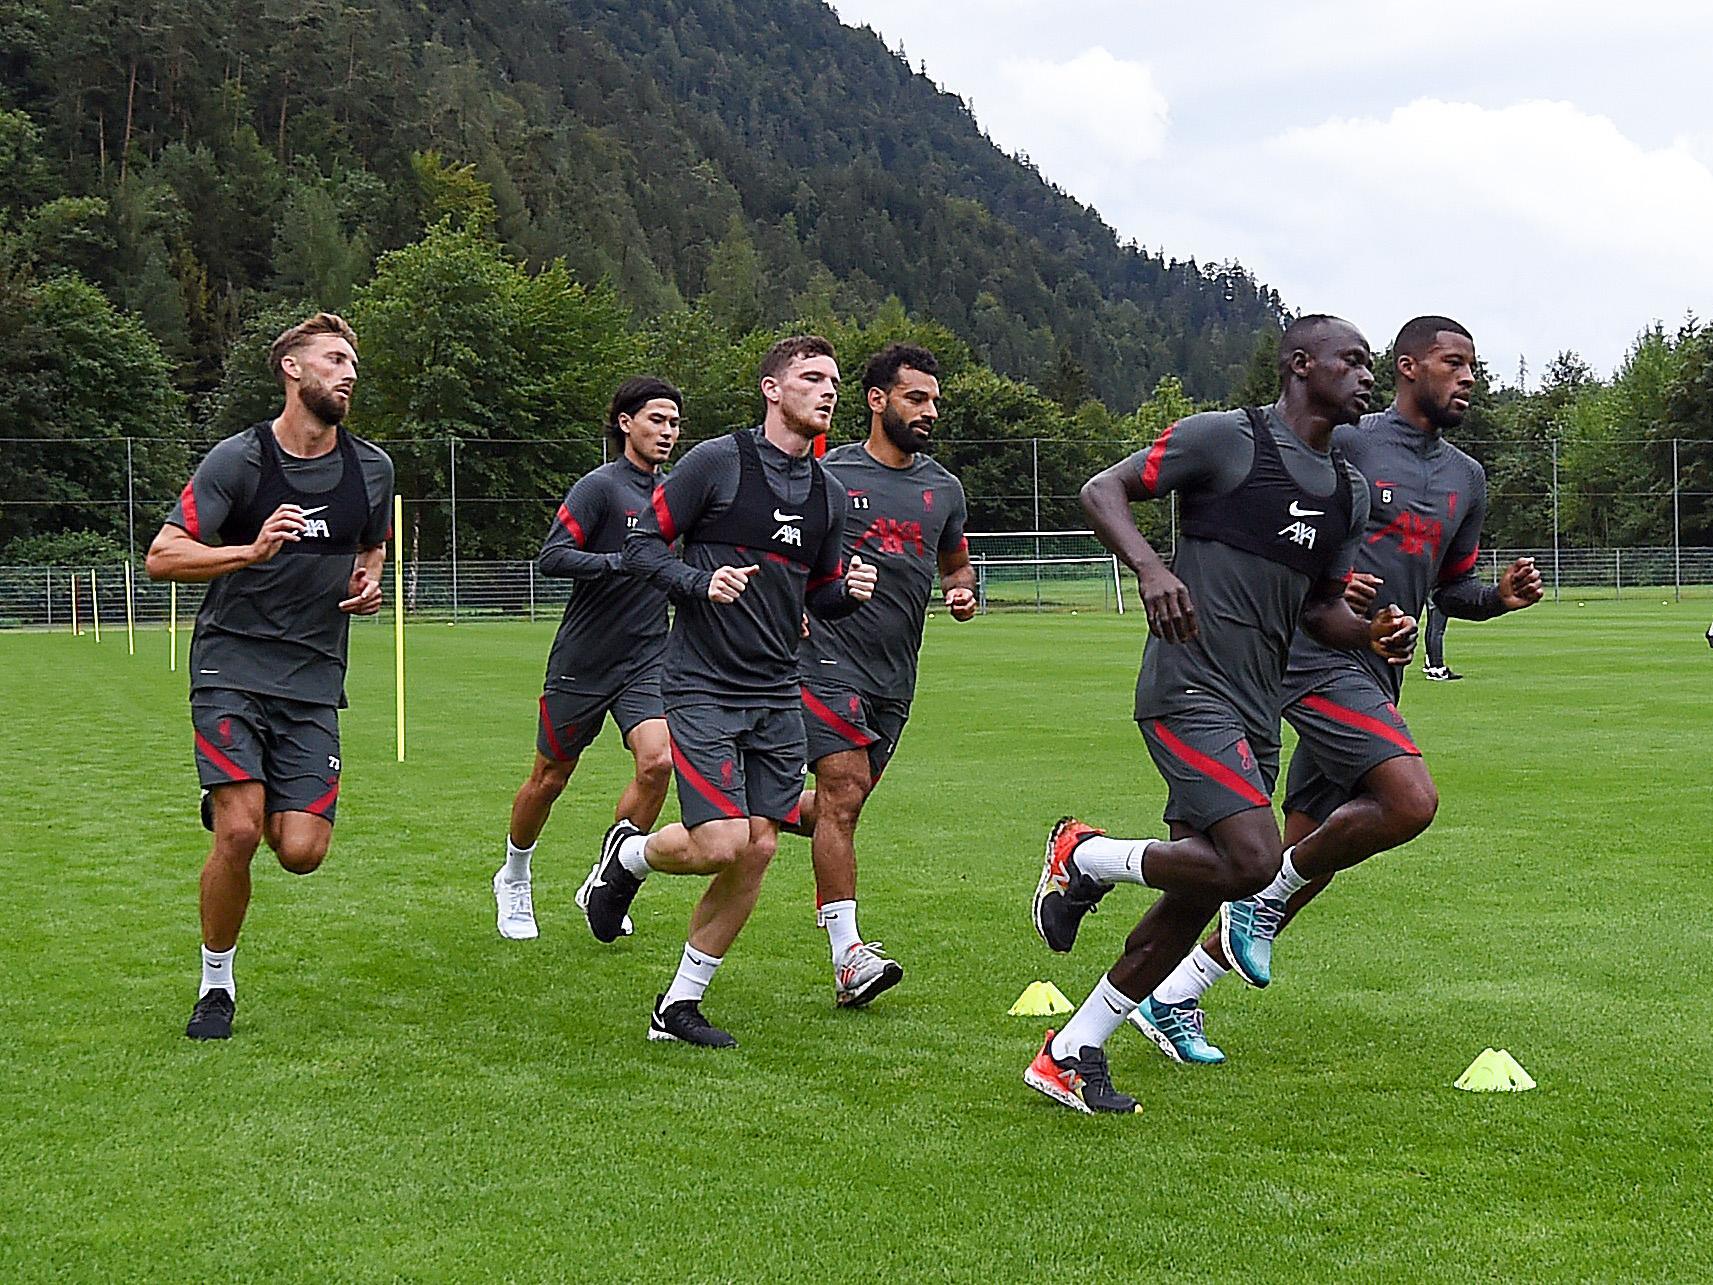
[
  {"x": 1638, "y": 517},
  {"x": 491, "y": 500},
  {"x": 1017, "y": 571}
]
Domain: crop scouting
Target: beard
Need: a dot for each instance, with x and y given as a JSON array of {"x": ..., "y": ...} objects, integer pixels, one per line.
[
  {"x": 320, "y": 401},
  {"x": 1442, "y": 416},
  {"x": 900, "y": 434},
  {"x": 805, "y": 425}
]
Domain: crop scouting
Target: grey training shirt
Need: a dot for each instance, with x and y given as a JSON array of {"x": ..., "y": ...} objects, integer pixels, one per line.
[
  {"x": 614, "y": 627},
  {"x": 276, "y": 628},
  {"x": 728, "y": 653},
  {"x": 902, "y": 520},
  {"x": 1247, "y": 606},
  {"x": 1427, "y": 502}
]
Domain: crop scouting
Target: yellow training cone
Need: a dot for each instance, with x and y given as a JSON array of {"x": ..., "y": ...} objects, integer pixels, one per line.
[
  {"x": 1495, "y": 1071},
  {"x": 1040, "y": 999},
  {"x": 1520, "y": 1079}
]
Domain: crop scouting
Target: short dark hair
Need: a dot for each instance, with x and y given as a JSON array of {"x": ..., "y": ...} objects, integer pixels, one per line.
[
  {"x": 1419, "y": 333},
  {"x": 632, "y": 395},
  {"x": 786, "y": 351},
  {"x": 289, "y": 341},
  {"x": 1300, "y": 334},
  {"x": 882, "y": 369}
]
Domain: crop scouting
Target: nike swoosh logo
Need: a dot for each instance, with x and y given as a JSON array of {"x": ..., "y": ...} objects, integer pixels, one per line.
[
  {"x": 1117, "y": 1011},
  {"x": 309, "y": 513},
  {"x": 1297, "y": 512},
  {"x": 829, "y": 662},
  {"x": 786, "y": 517}
]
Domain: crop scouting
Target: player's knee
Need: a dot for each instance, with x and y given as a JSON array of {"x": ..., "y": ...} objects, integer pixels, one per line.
[
  {"x": 238, "y": 835},
  {"x": 841, "y": 799},
  {"x": 654, "y": 770},
  {"x": 760, "y": 849},
  {"x": 716, "y": 852},
  {"x": 1412, "y": 808},
  {"x": 548, "y": 780},
  {"x": 302, "y": 856},
  {"x": 1250, "y": 867}
]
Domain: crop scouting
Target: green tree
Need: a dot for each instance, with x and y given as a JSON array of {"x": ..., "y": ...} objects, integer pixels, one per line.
[
  {"x": 1689, "y": 416},
  {"x": 313, "y": 256},
  {"x": 1260, "y": 383},
  {"x": 76, "y": 371},
  {"x": 458, "y": 342},
  {"x": 452, "y": 194}
]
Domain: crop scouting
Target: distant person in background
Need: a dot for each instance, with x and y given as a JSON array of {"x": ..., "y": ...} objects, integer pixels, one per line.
[
  {"x": 907, "y": 517},
  {"x": 287, "y": 523},
  {"x": 1434, "y": 666},
  {"x": 605, "y": 659},
  {"x": 1358, "y": 785}
]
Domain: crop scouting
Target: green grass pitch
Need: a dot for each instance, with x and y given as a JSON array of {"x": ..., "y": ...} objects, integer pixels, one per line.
[{"x": 409, "y": 1097}]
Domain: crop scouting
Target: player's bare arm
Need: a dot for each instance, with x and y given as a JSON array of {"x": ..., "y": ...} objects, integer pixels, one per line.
[
  {"x": 176, "y": 555},
  {"x": 957, "y": 584},
  {"x": 1106, "y": 498}
]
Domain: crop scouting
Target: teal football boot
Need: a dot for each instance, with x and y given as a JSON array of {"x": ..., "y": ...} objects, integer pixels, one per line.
[
  {"x": 1246, "y": 930},
  {"x": 1177, "y": 1030}
]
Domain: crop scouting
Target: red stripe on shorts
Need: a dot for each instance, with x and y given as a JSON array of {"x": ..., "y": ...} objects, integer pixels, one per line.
[
  {"x": 702, "y": 786},
  {"x": 1357, "y": 719},
  {"x": 320, "y": 806},
  {"x": 214, "y": 756},
  {"x": 850, "y": 731},
  {"x": 1211, "y": 768},
  {"x": 552, "y": 738}
]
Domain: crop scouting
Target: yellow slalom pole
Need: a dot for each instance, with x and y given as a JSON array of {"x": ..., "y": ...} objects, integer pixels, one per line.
[
  {"x": 398, "y": 615},
  {"x": 94, "y": 605},
  {"x": 76, "y": 629},
  {"x": 130, "y": 614},
  {"x": 172, "y": 627}
]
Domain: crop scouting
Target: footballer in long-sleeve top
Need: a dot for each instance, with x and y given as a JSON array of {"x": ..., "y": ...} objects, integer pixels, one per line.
[
  {"x": 746, "y": 649},
  {"x": 607, "y": 653},
  {"x": 1423, "y": 539}
]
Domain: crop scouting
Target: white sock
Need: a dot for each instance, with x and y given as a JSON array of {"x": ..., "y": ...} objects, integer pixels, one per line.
[
  {"x": 1112, "y": 860},
  {"x": 1102, "y": 1013},
  {"x": 517, "y": 862},
  {"x": 217, "y": 971},
  {"x": 633, "y": 856},
  {"x": 1191, "y": 978},
  {"x": 695, "y": 971},
  {"x": 1287, "y": 882},
  {"x": 840, "y": 921}
]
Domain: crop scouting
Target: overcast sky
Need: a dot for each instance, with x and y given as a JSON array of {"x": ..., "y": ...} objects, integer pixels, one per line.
[{"x": 1541, "y": 170}]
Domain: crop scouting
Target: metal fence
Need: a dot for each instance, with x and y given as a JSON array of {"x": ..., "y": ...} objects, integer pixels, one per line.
[
  {"x": 479, "y": 501},
  {"x": 1028, "y": 571}
]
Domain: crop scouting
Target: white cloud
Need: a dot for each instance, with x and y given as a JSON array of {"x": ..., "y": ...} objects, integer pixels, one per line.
[
  {"x": 1085, "y": 114},
  {"x": 1541, "y": 226},
  {"x": 1550, "y": 176}
]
